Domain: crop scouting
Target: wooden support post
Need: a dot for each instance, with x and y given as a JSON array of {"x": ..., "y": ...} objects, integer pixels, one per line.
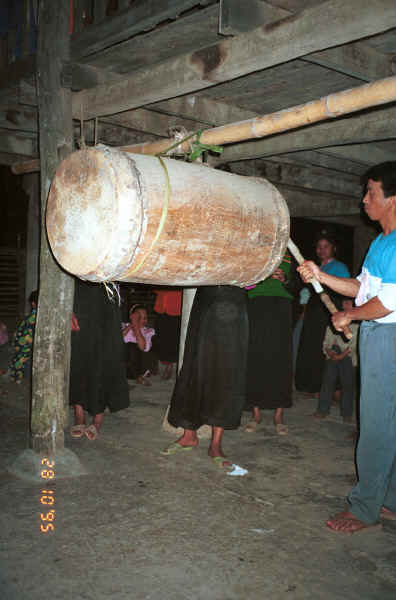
[
  {"x": 52, "y": 338},
  {"x": 31, "y": 187}
]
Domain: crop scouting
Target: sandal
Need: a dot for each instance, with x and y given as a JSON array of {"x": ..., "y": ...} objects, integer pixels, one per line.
[
  {"x": 251, "y": 427},
  {"x": 281, "y": 428},
  {"x": 175, "y": 448},
  {"x": 91, "y": 432},
  {"x": 222, "y": 463},
  {"x": 77, "y": 431}
]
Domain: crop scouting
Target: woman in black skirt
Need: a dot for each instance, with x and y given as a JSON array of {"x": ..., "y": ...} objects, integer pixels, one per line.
[
  {"x": 97, "y": 369},
  {"x": 211, "y": 386},
  {"x": 269, "y": 373}
]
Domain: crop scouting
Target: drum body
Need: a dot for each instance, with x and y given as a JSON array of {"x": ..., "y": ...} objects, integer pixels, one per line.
[{"x": 114, "y": 216}]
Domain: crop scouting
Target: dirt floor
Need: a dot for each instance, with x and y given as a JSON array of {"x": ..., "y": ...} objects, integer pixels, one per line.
[{"x": 141, "y": 526}]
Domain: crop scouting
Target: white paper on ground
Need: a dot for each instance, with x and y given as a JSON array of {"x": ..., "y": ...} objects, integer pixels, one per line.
[{"x": 237, "y": 470}]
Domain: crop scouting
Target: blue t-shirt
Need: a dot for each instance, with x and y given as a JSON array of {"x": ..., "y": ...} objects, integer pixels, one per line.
[
  {"x": 378, "y": 276},
  {"x": 336, "y": 267}
]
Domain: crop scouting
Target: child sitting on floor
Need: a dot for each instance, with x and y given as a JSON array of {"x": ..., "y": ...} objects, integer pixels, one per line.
[{"x": 139, "y": 339}]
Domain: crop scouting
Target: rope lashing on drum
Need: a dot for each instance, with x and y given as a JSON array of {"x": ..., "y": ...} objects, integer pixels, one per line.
[{"x": 197, "y": 149}]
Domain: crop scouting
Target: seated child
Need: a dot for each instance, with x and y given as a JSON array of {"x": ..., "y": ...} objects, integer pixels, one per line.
[
  {"x": 139, "y": 339},
  {"x": 340, "y": 365}
]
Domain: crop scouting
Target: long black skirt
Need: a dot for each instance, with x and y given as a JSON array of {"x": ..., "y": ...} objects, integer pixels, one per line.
[
  {"x": 211, "y": 386},
  {"x": 167, "y": 336},
  {"x": 270, "y": 359},
  {"x": 97, "y": 365},
  {"x": 310, "y": 357}
]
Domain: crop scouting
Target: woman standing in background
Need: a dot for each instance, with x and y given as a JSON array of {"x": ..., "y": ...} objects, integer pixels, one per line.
[
  {"x": 269, "y": 371},
  {"x": 310, "y": 358},
  {"x": 167, "y": 328}
]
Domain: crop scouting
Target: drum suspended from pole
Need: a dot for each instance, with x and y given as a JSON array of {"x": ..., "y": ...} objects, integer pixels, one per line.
[{"x": 115, "y": 216}]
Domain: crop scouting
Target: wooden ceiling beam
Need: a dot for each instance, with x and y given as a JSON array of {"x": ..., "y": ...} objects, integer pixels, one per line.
[
  {"x": 313, "y": 203},
  {"x": 16, "y": 143},
  {"x": 376, "y": 124},
  {"x": 358, "y": 60},
  {"x": 364, "y": 154},
  {"x": 141, "y": 17},
  {"x": 8, "y": 159},
  {"x": 261, "y": 48},
  {"x": 18, "y": 117},
  {"x": 317, "y": 158},
  {"x": 312, "y": 178}
]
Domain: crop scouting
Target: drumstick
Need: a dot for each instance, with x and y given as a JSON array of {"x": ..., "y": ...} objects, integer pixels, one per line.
[{"x": 329, "y": 304}]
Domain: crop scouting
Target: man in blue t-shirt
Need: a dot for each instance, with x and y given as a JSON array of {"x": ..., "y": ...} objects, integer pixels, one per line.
[{"x": 374, "y": 496}]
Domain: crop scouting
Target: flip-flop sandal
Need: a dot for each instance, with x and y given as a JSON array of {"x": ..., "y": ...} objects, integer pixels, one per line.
[
  {"x": 251, "y": 427},
  {"x": 77, "y": 431},
  {"x": 282, "y": 429},
  {"x": 91, "y": 432},
  {"x": 175, "y": 448},
  {"x": 219, "y": 462}
]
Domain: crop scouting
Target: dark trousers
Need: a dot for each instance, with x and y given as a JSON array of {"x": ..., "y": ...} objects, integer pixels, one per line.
[
  {"x": 138, "y": 362},
  {"x": 344, "y": 371}
]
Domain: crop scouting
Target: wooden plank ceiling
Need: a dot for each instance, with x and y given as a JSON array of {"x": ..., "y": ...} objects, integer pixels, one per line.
[{"x": 153, "y": 65}]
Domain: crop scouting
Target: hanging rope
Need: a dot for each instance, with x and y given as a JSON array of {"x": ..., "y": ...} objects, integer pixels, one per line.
[{"x": 112, "y": 291}]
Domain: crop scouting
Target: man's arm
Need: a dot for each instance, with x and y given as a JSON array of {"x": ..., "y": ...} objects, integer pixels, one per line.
[
  {"x": 342, "y": 285},
  {"x": 373, "y": 309}
]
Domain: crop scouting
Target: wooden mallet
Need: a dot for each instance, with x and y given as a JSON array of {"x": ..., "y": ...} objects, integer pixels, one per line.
[{"x": 329, "y": 304}]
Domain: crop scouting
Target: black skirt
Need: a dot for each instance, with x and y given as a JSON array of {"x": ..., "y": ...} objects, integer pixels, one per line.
[
  {"x": 269, "y": 373},
  {"x": 211, "y": 386},
  {"x": 97, "y": 364},
  {"x": 167, "y": 336},
  {"x": 310, "y": 357}
]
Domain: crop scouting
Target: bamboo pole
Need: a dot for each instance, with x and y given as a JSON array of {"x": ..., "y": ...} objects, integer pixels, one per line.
[{"x": 329, "y": 107}]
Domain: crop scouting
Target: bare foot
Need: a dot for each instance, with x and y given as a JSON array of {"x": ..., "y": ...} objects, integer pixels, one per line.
[
  {"x": 281, "y": 428},
  {"x": 219, "y": 458},
  {"x": 189, "y": 438},
  {"x": 346, "y": 522},
  {"x": 251, "y": 427},
  {"x": 319, "y": 415},
  {"x": 387, "y": 514}
]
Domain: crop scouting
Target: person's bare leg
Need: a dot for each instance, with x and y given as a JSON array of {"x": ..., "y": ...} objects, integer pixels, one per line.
[
  {"x": 278, "y": 417},
  {"x": 189, "y": 438},
  {"x": 281, "y": 428},
  {"x": 215, "y": 449},
  {"x": 78, "y": 429},
  {"x": 97, "y": 420},
  {"x": 78, "y": 415},
  {"x": 256, "y": 420},
  {"x": 256, "y": 414}
]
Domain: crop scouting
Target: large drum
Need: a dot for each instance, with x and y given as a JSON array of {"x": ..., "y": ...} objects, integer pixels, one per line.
[{"x": 114, "y": 216}]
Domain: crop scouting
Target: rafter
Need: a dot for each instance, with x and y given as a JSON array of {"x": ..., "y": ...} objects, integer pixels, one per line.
[{"x": 261, "y": 48}]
